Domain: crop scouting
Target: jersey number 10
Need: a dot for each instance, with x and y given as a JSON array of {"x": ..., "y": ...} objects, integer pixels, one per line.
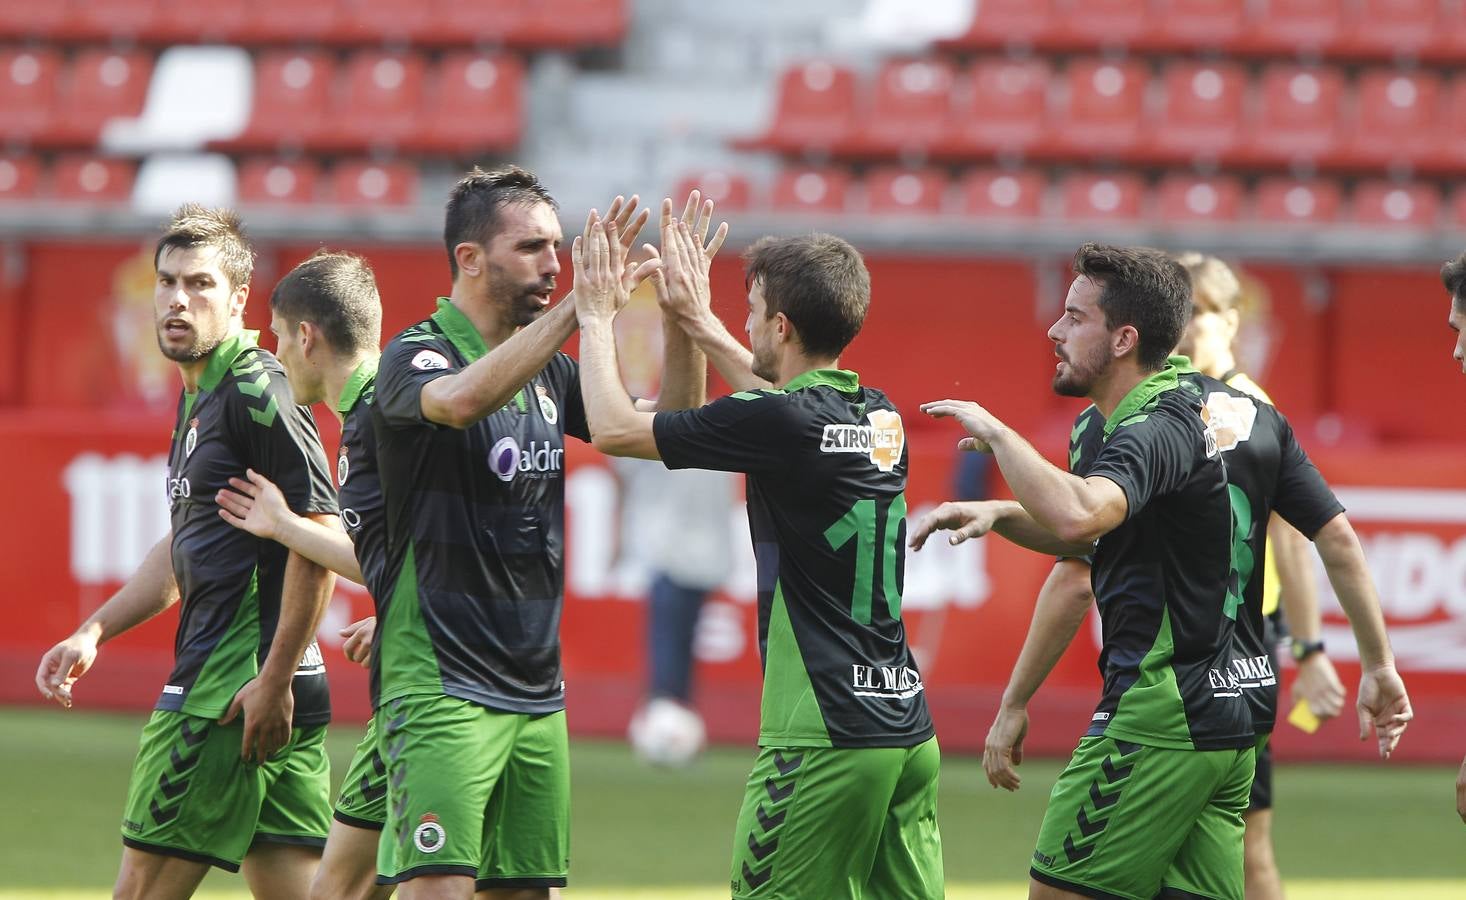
[{"x": 859, "y": 524}]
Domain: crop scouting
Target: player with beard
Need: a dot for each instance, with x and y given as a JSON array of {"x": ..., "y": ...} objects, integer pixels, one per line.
[
  {"x": 472, "y": 408},
  {"x": 208, "y": 789}
]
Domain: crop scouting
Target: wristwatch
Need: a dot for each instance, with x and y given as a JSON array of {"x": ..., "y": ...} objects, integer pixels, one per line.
[{"x": 1304, "y": 649}]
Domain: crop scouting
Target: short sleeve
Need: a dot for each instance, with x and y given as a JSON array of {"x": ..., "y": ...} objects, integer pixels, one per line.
[
  {"x": 281, "y": 442},
  {"x": 1302, "y": 497},
  {"x": 568, "y": 373},
  {"x": 1148, "y": 457},
  {"x": 750, "y": 431},
  {"x": 407, "y": 365}
]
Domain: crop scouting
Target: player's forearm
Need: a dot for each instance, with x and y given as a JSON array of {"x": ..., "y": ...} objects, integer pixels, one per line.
[
  {"x": 733, "y": 361},
  {"x": 321, "y": 544},
  {"x": 303, "y": 598},
  {"x": 1063, "y": 602},
  {"x": 149, "y": 591},
  {"x": 1348, "y": 572},
  {"x": 617, "y": 428},
  {"x": 484, "y": 386},
  {"x": 684, "y": 369},
  {"x": 1015, "y": 525},
  {"x": 1057, "y": 501},
  {"x": 1297, "y": 587}
]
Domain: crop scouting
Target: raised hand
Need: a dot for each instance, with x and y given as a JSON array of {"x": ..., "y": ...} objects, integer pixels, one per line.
[
  {"x": 969, "y": 519},
  {"x": 978, "y": 422},
  {"x": 687, "y": 256}
]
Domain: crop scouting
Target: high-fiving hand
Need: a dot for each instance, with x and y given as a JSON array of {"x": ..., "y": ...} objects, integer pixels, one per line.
[
  {"x": 686, "y": 255},
  {"x": 604, "y": 279}
]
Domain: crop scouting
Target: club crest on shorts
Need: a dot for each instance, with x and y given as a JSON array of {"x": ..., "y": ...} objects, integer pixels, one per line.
[
  {"x": 191, "y": 440},
  {"x": 547, "y": 404},
  {"x": 429, "y": 836}
]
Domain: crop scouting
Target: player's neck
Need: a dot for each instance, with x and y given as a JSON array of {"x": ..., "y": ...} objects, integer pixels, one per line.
[
  {"x": 1220, "y": 364},
  {"x": 487, "y": 317},
  {"x": 193, "y": 370},
  {"x": 792, "y": 367},
  {"x": 338, "y": 373},
  {"x": 1112, "y": 388}
]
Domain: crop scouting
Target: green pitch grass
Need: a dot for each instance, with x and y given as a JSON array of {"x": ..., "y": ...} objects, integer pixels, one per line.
[{"x": 1342, "y": 832}]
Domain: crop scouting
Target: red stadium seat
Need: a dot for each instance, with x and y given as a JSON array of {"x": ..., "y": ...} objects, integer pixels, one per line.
[
  {"x": 1296, "y": 26},
  {"x": 806, "y": 190},
  {"x": 376, "y": 102},
  {"x": 1005, "y": 108},
  {"x": 28, "y": 91},
  {"x": 393, "y": 22},
  {"x": 1194, "y": 199},
  {"x": 905, "y": 191},
  {"x": 363, "y": 183},
  {"x": 816, "y": 107},
  {"x": 82, "y": 177},
  {"x": 1451, "y": 143},
  {"x": 1378, "y": 202},
  {"x": 202, "y": 21},
  {"x": 1086, "y": 197},
  {"x": 1182, "y": 24},
  {"x": 289, "y": 21},
  {"x": 481, "y": 23},
  {"x": 1106, "y": 103},
  {"x": 113, "y": 19},
  {"x": 573, "y": 23},
  {"x": 33, "y": 19},
  {"x": 1458, "y": 208},
  {"x": 1298, "y": 115},
  {"x": 1295, "y": 202},
  {"x": 729, "y": 191},
  {"x": 20, "y": 178},
  {"x": 103, "y": 85},
  {"x": 1394, "y": 28},
  {"x": 1107, "y": 23},
  {"x": 1398, "y": 117},
  {"x": 911, "y": 107},
  {"x": 291, "y": 89},
  {"x": 474, "y": 103},
  {"x": 996, "y": 194},
  {"x": 272, "y": 182},
  {"x": 1001, "y": 23},
  {"x": 1201, "y": 114}
]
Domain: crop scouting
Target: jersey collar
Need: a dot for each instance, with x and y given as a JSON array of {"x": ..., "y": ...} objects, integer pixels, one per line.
[
  {"x": 842, "y": 380},
  {"x": 460, "y": 330},
  {"x": 356, "y": 384},
  {"x": 1182, "y": 364},
  {"x": 224, "y": 356},
  {"x": 1141, "y": 396}
]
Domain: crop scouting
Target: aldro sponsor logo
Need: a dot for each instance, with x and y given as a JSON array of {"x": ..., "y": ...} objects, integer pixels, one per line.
[
  {"x": 882, "y": 440},
  {"x": 507, "y": 459}
]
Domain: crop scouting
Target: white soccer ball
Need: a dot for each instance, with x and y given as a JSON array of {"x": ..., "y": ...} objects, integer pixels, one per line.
[{"x": 666, "y": 733}]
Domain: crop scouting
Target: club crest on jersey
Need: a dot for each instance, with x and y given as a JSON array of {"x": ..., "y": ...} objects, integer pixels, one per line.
[
  {"x": 428, "y": 360},
  {"x": 1228, "y": 419},
  {"x": 191, "y": 440},
  {"x": 882, "y": 440},
  {"x": 547, "y": 404},
  {"x": 429, "y": 835},
  {"x": 343, "y": 468}
]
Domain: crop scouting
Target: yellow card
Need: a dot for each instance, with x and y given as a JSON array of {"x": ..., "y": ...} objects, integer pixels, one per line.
[{"x": 1302, "y": 717}]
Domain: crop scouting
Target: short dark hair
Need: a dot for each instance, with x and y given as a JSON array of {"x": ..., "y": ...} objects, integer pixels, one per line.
[
  {"x": 1453, "y": 276},
  {"x": 336, "y": 292},
  {"x": 1144, "y": 288},
  {"x": 818, "y": 281},
  {"x": 196, "y": 225},
  {"x": 475, "y": 201}
]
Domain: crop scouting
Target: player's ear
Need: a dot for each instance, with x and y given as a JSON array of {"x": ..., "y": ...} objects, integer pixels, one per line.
[
  {"x": 238, "y": 299},
  {"x": 469, "y": 257},
  {"x": 1233, "y": 320},
  {"x": 1123, "y": 340},
  {"x": 305, "y": 334}
]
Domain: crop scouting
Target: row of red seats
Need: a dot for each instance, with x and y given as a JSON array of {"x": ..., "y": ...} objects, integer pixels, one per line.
[
  {"x": 1363, "y": 29},
  {"x": 466, "y": 102},
  {"x": 1287, "y": 113},
  {"x": 103, "y": 180},
  {"x": 533, "y": 23},
  {"x": 1011, "y": 195}
]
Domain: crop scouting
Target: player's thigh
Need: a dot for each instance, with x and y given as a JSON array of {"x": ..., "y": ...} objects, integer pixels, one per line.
[
  {"x": 1120, "y": 813},
  {"x": 151, "y": 876},
  {"x": 527, "y": 837},
  {"x": 296, "y": 810},
  {"x": 362, "y": 800},
  {"x": 190, "y": 795},
  {"x": 276, "y": 871},
  {"x": 444, "y": 756},
  {"x": 1260, "y": 796},
  {"x": 1209, "y": 863},
  {"x": 348, "y": 869},
  {"x": 811, "y": 821},
  {"x": 908, "y": 861}
]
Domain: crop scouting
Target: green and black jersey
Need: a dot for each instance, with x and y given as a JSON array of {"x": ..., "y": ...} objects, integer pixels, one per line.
[
  {"x": 826, "y": 464},
  {"x": 1163, "y": 579},
  {"x": 475, "y": 528},
  {"x": 359, "y": 485},
  {"x": 242, "y": 417}
]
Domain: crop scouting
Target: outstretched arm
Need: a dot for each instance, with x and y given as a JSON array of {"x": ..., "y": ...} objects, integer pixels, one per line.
[
  {"x": 975, "y": 518},
  {"x": 1316, "y": 682},
  {"x": 682, "y": 284},
  {"x": 148, "y": 592}
]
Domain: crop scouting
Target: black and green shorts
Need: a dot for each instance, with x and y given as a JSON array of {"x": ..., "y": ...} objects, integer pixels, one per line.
[{"x": 362, "y": 802}]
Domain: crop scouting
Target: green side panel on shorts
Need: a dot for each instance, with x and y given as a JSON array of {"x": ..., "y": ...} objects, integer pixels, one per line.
[
  {"x": 1152, "y": 712},
  {"x": 232, "y": 662},
  {"x": 790, "y": 714},
  {"x": 363, "y": 798},
  {"x": 409, "y": 665}
]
